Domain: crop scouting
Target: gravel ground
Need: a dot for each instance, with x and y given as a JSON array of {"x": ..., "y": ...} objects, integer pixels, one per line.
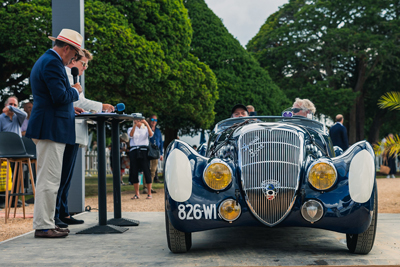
[{"x": 388, "y": 199}]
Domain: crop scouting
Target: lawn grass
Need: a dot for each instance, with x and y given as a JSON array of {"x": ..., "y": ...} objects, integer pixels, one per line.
[{"x": 91, "y": 185}]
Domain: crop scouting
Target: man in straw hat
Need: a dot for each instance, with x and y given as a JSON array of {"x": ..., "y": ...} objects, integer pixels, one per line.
[
  {"x": 62, "y": 217},
  {"x": 52, "y": 125}
]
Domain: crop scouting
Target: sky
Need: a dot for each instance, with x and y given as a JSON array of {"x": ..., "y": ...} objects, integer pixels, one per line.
[{"x": 243, "y": 18}]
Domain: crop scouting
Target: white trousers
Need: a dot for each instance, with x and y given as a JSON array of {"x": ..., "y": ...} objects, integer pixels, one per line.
[{"x": 49, "y": 165}]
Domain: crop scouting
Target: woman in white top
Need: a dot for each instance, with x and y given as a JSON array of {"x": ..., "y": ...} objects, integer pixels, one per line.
[{"x": 139, "y": 136}]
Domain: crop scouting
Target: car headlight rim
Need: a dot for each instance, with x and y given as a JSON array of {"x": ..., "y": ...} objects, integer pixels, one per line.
[
  {"x": 209, "y": 165},
  {"x": 327, "y": 164}
]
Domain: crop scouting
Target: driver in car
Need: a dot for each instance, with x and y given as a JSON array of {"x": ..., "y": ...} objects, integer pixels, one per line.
[
  {"x": 239, "y": 110},
  {"x": 303, "y": 107}
]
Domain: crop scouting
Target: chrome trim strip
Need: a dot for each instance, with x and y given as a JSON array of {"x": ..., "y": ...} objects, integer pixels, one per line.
[{"x": 268, "y": 161}]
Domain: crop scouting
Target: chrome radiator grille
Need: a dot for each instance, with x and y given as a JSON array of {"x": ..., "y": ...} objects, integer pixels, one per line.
[{"x": 270, "y": 164}]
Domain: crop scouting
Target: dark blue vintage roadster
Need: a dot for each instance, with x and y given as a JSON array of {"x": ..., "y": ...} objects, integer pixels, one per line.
[{"x": 274, "y": 172}]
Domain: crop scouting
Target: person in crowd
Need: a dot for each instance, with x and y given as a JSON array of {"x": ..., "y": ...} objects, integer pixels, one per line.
[
  {"x": 124, "y": 159},
  {"x": 389, "y": 160},
  {"x": 12, "y": 118},
  {"x": 239, "y": 110},
  {"x": 62, "y": 217},
  {"x": 139, "y": 141},
  {"x": 28, "y": 109},
  {"x": 10, "y": 121},
  {"x": 338, "y": 133},
  {"x": 303, "y": 107},
  {"x": 52, "y": 125},
  {"x": 155, "y": 139},
  {"x": 251, "y": 110},
  {"x": 94, "y": 146},
  {"x": 194, "y": 147}
]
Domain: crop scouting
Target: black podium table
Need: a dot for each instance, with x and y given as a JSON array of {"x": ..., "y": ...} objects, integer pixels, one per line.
[{"x": 112, "y": 225}]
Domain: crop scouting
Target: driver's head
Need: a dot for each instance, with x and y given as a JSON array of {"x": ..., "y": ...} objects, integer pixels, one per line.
[
  {"x": 302, "y": 107},
  {"x": 239, "y": 110}
]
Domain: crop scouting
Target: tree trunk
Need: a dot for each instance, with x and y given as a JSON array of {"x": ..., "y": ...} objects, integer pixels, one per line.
[
  {"x": 360, "y": 118},
  {"x": 170, "y": 135},
  {"x": 354, "y": 125},
  {"x": 373, "y": 136}
]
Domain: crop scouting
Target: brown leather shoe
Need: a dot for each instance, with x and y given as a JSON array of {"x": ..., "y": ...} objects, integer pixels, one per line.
[
  {"x": 52, "y": 233},
  {"x": 63, "y": 230}
]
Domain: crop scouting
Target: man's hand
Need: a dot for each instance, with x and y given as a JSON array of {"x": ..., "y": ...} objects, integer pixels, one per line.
[
  {"x": 5, "y": 109},
  {"x": 108, "y": 108},
  {"x": 161, "y": 157},
  {"x": 78, "y": 87},
  {"x": 78, "y": 110}
]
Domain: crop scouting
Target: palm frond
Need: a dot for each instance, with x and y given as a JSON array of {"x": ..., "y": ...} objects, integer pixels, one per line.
[
  {"x": 390, "y": 100},
  {"x": 388, "y": 148}
]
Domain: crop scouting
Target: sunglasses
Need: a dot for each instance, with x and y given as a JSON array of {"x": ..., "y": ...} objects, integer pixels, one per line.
[
  {"x": 153, "y": 119},
  {"x": 297, "y": 110},
  {"x": 84, "y": 64},
  {"x": 76, "y": 51}
]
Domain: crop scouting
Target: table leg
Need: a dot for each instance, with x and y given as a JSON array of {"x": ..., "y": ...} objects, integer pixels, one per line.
[
  {"x": 102, "y": 228},
  {"x": 116, "y": 163}
]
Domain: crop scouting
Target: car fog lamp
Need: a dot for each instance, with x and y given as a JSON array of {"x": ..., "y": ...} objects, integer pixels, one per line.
[
  {"x": 229, "y": 210},
  {"x": 322, "y": 176},
  {"x": 217, "y": 176},
  {"x": 312, "y": 211}
]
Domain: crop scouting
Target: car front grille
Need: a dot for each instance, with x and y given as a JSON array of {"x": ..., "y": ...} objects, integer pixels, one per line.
[{"x": 270, "y": 162}]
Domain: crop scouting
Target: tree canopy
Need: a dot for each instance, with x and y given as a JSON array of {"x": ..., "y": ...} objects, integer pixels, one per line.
[
  {"x": 24, "y": 29},
  {"x": 327, "y": 50},
  {"x": 141, "y": 58},
  {"x": 240, "y": 77}
]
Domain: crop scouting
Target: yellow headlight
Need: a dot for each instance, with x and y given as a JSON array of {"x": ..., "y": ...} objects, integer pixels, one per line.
[
  {"x": 218, "y": 176},
  {"x": 229, "y": 211},
  {"x": 322, "y": 176}
]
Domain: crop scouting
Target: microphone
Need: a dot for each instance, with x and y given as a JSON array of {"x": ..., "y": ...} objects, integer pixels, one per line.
[
  {"x": 119, "y": 107},
  {"x": 75, "y": 73}
]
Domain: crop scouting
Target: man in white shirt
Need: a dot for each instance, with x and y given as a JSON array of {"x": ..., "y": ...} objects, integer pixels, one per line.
[{"x": 62, "y": 216}]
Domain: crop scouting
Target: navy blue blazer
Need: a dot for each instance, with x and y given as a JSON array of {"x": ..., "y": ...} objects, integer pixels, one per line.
[
  {"x": 53, "y": 115},
  {"x": 338, "y": 134}
]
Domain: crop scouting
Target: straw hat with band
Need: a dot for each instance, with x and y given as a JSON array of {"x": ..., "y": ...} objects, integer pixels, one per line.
[{"x": 70, "y": 37}]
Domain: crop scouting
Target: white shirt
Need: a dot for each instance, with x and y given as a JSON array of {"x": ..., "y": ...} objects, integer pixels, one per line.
[
  {"x": 81, "y": 128},
  {"x": 140, "y": 137}
]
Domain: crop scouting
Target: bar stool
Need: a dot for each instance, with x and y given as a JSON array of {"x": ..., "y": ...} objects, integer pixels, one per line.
[
  {"x": 12, "y": 149},
  {"x": 30, "y": 148}
]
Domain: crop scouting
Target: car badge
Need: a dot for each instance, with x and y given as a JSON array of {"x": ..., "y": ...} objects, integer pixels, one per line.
[
  {"x": 270, "y": 189},
  {"x": 287, "y": 114}
]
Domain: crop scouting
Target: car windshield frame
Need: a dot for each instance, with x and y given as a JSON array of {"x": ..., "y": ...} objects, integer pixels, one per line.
[{"x": 300, "y": 120}]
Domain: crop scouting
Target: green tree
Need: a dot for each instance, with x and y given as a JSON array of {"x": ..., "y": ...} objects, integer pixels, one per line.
[
  {"x": 240, "y": 78},
  {"x": 24, "y": 29},
  {"x": 141, "y": 58},
  {"x": 327, "y": 50},
  {"x": 185, "y": 99}
]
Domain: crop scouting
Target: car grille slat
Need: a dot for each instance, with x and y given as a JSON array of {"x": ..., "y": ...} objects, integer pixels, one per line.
[{"x": 270, "y": 156}]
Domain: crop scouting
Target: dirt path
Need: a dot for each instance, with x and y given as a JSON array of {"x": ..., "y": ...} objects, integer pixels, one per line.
[{"x": 388, "y": 199}]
